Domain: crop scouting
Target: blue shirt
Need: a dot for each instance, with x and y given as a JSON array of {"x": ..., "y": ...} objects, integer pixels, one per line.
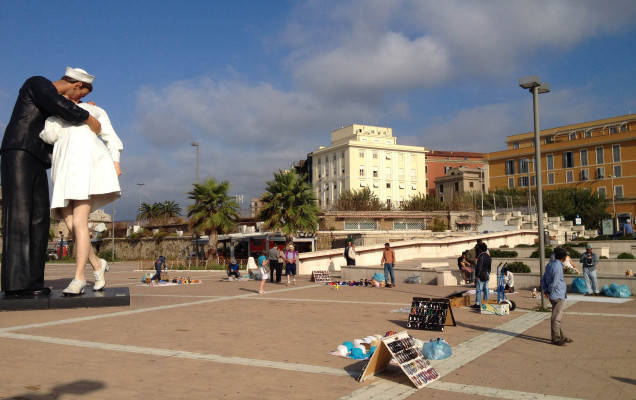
[
  {"x": 553, "y": 282},
  {"x": 234, "y": 267},
  {"x": 628, "y": 228}
]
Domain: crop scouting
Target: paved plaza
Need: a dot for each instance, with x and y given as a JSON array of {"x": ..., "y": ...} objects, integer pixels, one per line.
[{"x": 222, "y": 340}]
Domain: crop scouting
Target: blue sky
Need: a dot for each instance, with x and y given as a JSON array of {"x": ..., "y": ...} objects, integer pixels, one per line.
[{"x": 260, "y": 84}]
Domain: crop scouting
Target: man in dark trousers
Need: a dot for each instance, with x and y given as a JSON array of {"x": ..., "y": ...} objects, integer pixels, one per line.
[
  {"x": 482, "y": 274},
  {"x": 25, "y": 189}
]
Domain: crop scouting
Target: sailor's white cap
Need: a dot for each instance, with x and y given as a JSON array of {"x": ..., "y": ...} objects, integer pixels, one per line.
[{"x": 79, "y": 75}]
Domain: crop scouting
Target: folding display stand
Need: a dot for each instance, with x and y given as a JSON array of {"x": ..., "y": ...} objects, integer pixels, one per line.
[
  {"x": 401, "y": 348},
  {"x": 320, "y": 276},
  {"x": 430, "y": 314}
]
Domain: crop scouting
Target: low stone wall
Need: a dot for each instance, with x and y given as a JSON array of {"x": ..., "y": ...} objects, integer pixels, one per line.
[
  {"x": 146, "y": 248},
  {"x": 334, "y": 259},
  {"x": 612, "y": 267},
  {"x": 531, "y": 280}
]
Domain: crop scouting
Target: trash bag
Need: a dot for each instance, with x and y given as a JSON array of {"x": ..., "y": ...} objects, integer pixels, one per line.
[
  {"x": 378, "y": 276},
  {"x": 615, "y": 290},
  {"x": 414, "y": 279},
  {"x": 579, "y": 286},
  {"x": 436, "y": 349}
]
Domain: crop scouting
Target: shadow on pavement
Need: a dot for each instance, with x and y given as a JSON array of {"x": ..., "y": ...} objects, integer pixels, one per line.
[
  {"x": 487, "y": 329},
  {"x": 625, "y": 380},
  {"x": 79, "y": 388}
]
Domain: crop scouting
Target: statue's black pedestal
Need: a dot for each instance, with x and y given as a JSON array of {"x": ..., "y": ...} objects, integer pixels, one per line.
[{"x": 109, "y": 297}]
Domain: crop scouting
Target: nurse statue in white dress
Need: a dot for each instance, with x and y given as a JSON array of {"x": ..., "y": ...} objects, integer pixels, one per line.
[{"x": 85, "y": 175}]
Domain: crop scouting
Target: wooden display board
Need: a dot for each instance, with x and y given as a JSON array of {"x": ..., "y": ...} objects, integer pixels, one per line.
[
  {"x": 401, "y": 348},
  {"x": 320, "y": 276},
  {"x": 430, "y": 314}
]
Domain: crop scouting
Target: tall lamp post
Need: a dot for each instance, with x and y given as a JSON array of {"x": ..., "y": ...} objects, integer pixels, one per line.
[
  {"x": 614, "y": 223},
  {"x": 196, "y": 144},
  {"x": 535, "y": 86},
  {"x": 139, "y": 185}
]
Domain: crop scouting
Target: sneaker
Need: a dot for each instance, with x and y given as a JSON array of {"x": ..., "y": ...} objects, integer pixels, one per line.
[
  {"x": 475, "y": 306},
  {"x": 75, "y": 288},
  {"x": 100, "y": 282}
]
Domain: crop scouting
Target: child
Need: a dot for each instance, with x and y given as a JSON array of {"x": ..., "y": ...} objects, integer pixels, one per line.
[
  {"x": 233, "y": 269},
  {"x": 263, "y": 262}
]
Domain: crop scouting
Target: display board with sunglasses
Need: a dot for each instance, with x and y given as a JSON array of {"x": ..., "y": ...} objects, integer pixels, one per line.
[{"x": 430, "y": 314}]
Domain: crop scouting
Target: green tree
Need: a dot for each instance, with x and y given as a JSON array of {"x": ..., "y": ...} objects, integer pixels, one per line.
[
  {"x": 213, "y": 211},
  {"x": 170, "y": 209},
  {"x": 358, "y": 200},
  {"x": 149, "y": 212},
  {"x": 289, "y": 205},
  {"x": 569, "y": 203},
  {"x": 421, "y": 202}
]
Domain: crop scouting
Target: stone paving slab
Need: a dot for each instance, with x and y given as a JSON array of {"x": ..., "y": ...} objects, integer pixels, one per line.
[{"x": 221, "y": 340}]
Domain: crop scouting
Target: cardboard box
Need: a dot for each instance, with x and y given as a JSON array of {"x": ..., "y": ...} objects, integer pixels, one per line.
[{"x": 463, "y": 301}]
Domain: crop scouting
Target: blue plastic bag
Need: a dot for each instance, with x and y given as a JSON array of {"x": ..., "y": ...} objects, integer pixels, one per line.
[
  {"x": 579, "y": 286},
  {"x": 437, "y": 349},
  {"x": 378, "y": 276},
  {"x": 615, "y": 290}
]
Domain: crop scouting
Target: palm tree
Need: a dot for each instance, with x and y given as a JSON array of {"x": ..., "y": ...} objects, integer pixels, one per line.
[
  {"x": 170, "y": 209},
  {"x": 213, "y": 211},
  {"x": 149, "y": 212},
  {"x": 289, "y": 205}
]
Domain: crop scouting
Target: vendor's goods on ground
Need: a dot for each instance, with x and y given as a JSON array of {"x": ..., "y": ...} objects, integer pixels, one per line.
[
  {"x": 401, "y": 348},
  {"x": 430, "y": 314},
  {"x": 320, "y": 276},
  {"x": 495, "y": 309}
]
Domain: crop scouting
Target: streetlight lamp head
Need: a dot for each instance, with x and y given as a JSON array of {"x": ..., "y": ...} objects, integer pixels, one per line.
[
  {"x": 544, "y": 88},
  {"x": 530, "y": 82}
]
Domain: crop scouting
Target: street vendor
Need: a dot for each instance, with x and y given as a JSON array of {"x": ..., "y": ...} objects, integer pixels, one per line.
[{"x": 159, "y": 265}]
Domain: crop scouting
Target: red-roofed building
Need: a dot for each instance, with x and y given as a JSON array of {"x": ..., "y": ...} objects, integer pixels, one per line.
[{"x": 439, "y": 162}]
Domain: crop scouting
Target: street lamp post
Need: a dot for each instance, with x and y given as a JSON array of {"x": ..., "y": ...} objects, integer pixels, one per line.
[
  {"x": 139, "y": 185},
  {"x": 535, "y": 86},
  {"x": 196, "y": 144},
  {"x": 615, "y": 225}
]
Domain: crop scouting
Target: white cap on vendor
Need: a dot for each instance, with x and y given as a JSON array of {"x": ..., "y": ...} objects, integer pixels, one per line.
[{"x": 79, "y": 75}]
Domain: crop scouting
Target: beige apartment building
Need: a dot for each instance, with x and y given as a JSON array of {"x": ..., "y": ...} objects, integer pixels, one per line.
[
  {"x": 367, "y": 156},
  {"x": 460, "y": 180}
]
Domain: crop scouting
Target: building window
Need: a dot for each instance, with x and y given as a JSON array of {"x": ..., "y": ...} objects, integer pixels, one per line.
[
  {"x": 616, "y": 152},
  {"x": 375, "y": 185},
  {"x": 550, "y": 161},
  {"x": 413, "y": 187},
  {"x": 471, "y": 185},
  {"x": 388, "y": 203},
  {"x": 588, "y": 133},
  {"x": 599, "y": 155},
  {"x": 413, "y": 174},
  {"x": 388, "y": 155},
  {"x": 523, "y": 166},
  {"x": 401, "y": 186},
  {"x": 361, "y": 154},
  {"x": 319, "y": 161},
  {"x": 618, "y": 172},
  {"x": 342, "y": 155},
  {"x": 568, "y": 160},
  {"x": 511, "y": 183},
  {"x": 375, "y": 173},
  {"x": 343, "y": 171},
  {"x": 334, "y": 157},
  {"x": 401, "y": 173},
  {"x": 584, "y": 158},
  {"x": 600, "y": 172},
  {"x": 441, "y": 198},
  {"x": 441, "y": 188},
  {"x": 375, "y": 154},
  {"x": 335, "y": 170},
  {"x": 624, "y": 128},
  {"x": 618, "y": 191},
  {"x": 585, "y": 174},
  {"x": 457, "y": 186},
  {"x": 549, "y": 139},
  {"x": 388, "y": 185},
  {"x": 612, "y": 130},
  {"x": 569, "y": 176},
  {"x": 523, "y": 181},
  {"x": 362, "y": 184},
  {"x": 446, "y": 169},
  {"x": 532, "y": 180},
  {"x": 601, "y": 191},
  {"x": 572, "y": 136},
  {"x": 510, "y": 167},
  {"x": 551, "y": 179},
  {"x": 360, "y": 224},
  {"x": 361, "y": 171},
  {"x": 515, "y": 145}
]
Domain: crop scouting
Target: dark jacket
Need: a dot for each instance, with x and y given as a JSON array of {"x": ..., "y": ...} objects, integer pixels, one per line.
[
  {"x": 38, "y": 99},
  {"x": 482, "y": 271}
]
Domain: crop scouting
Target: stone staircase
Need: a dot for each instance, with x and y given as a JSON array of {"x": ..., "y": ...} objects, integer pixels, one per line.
[{"x": 559, "y": 231}]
